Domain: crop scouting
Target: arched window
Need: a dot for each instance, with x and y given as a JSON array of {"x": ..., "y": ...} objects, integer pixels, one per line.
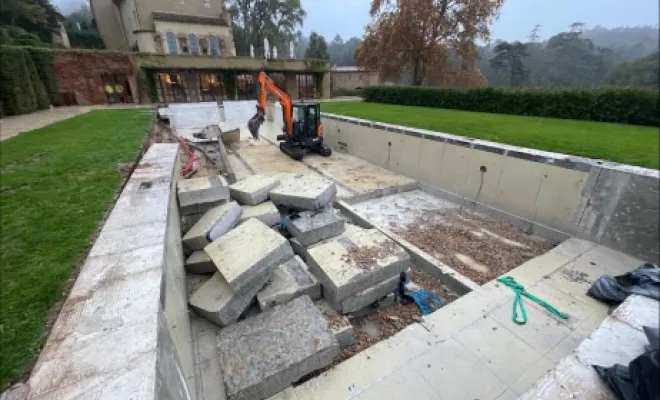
[
  {"x": 171, "y": 43},
  {"x": 193, "y": 43},
  {"x": 213, "y": 46}
]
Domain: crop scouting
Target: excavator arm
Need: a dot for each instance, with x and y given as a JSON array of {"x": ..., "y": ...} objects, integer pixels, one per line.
[{"x": 266, "y": 87}]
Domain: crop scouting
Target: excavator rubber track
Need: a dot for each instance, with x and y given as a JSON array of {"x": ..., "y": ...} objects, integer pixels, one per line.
[{"x": 294, "y": 152}]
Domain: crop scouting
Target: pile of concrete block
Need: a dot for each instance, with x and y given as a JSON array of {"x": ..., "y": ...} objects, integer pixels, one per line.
[
  {"x": 198, "y": 195},
  {"x": 278, "y": 270},
  {"x": 360, "y": 271}
]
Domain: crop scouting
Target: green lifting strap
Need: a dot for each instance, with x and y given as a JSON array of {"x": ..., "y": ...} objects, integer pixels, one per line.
[{"x": 518, "y": 303}]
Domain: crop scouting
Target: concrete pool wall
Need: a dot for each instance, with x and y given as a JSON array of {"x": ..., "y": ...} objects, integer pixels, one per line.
[
  {"x": 552, "y": 195},
  {"x": 124, "y": 332}
]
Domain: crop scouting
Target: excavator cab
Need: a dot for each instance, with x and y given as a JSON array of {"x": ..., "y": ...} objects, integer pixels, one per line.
[{"x": 306, "y": 132}]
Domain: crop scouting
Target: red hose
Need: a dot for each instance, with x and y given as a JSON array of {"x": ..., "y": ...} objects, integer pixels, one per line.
[{"x": 191, "y": 158}]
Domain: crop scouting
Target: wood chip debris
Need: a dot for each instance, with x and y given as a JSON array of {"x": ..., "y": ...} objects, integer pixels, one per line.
[
  {"x": 444, "y": 234},
  {"x": 366, "y": 257}
]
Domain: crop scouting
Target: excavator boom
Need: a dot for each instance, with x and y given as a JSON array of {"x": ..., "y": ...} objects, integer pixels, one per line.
[{"x": 266, "y": 87}]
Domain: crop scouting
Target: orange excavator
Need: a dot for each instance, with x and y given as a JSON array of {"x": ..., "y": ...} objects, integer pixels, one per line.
[{"x": 302, "y": 131}]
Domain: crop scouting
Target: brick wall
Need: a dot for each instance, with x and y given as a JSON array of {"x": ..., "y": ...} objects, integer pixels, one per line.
[{"x": 81, "y": 73}]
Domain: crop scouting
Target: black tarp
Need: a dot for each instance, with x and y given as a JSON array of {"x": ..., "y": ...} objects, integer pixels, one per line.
[{"x": 644, "y": 281}]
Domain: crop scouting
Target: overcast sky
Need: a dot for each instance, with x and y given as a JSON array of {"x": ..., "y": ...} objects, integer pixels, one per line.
[{"x": 518, "y": 17}]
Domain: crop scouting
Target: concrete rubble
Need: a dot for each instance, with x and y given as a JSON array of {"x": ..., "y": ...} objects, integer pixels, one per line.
[
  {"x": 265, "y": 212},
  {"x": 198, "y": 195},
  {"x": 246, "y": 251},
  {"x": 263, "y": 355},
  {"x": 302, "y": 251},
  {"x": 200, "y": 263},
  {"x": 213, "y": 224},
  {"x": 282, "y": 305},
  {"x": 311, "y": 227},
  {"x": 356, "y": 262},
  {"x": 380, "y": 304},
  {"x": 216, "y": 301},
  {"x": 288, "y": 281},
  {"x": 368, "y": 296},
  {"x": 339, "y": 325},
  {"x": 253, "y": 190},
  {"x": 304, "y": 192}
]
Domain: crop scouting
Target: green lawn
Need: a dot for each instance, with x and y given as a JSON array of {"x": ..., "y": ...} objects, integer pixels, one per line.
[
  {"x": 629, "y": 144},
  {"x": 55, "y": 185}
]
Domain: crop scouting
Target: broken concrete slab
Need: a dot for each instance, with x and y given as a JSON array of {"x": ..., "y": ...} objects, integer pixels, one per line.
[
  {"x": 311, "y": 227},
  {"x": 355, "y": 262},
  {"x": 187, "y": 221},
  {"x": 264, "y": 212},
  {"x": 200, "y": 263},
  {"x": 217, "y": 302},
  {"x": 213, "y": 224},
  {"x": 263, "y": 355},
  {"x": 246, "y": 251},
  {"x": 380, "y": 304},
  {"x": 198, "y": 195},
  {"x": 301, "y": 250},
  {"x": 253, "y": 190},
  {"x": 288, "y": 281},
  {"x": 339, "y": 324},
  {"x": 304, "y": 192},
  {"x": 368, "y": 296}
]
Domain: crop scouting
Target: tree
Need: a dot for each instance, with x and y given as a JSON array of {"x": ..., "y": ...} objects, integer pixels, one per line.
[
  {"x": 82, "y": 16},
  {"x": 256, "y": 20},
  {"x": 418, "y": 35},
  {"x": 341, "y": 53},
  {"x": 300, "y": 45},
  {"x": 640, "y": 73},
  {"x": 534, "y": 34},
  {"x": 336, "y": 50},
  {"x": 509, "y": 57},
  {"x": 317, "y": 48},
  {"x": 573, "y": 61},
  {"x": 577, "y": 27},
  {"x": 37, "y": 17}
]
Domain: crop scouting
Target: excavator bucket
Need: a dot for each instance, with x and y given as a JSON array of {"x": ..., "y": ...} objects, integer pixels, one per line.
[{"x": 255, "y": 123}]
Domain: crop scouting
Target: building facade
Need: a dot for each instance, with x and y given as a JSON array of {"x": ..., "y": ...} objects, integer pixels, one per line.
[
  {"x": 196, "y": 27},
  {"x": 351, "y": 78},
  {"x": 187, "y": 49}
]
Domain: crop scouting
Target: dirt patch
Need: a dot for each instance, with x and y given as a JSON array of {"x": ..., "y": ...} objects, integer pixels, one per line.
[
  {"x": 388, "y": 321},
  {"x": 124, "y": 170},
  {"x": 575, "y": 276},
  {"x": 475, "y": 245},
  {"x": 366, "y": 257},
  {"x": 393, "y": 319}
]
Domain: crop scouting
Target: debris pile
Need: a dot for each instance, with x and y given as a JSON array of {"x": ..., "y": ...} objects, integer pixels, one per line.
[{"x": 281, "y": 272}]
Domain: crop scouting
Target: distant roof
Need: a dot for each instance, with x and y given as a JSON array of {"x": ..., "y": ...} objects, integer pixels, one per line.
[
  {"x": 192, "y": 19},
  {"x": 347, "y": 69}
]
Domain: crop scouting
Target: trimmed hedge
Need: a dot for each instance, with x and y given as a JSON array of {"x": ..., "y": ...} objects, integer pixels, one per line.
[
  {"x": 43, "y": 61},
  {"x": 41, "y": 96},
  {"x": 27, "y": 83},
  {"x": 635, "y": 107},
  {"x": 16, "y": 92}
]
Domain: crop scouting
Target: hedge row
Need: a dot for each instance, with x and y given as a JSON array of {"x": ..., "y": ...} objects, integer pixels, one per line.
[
  {"x": 43, "y": 60},
  {"x": 347, "y": 92},
  {"x": 636, "y": 107},
  {"x": 22, "y": 88}
]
